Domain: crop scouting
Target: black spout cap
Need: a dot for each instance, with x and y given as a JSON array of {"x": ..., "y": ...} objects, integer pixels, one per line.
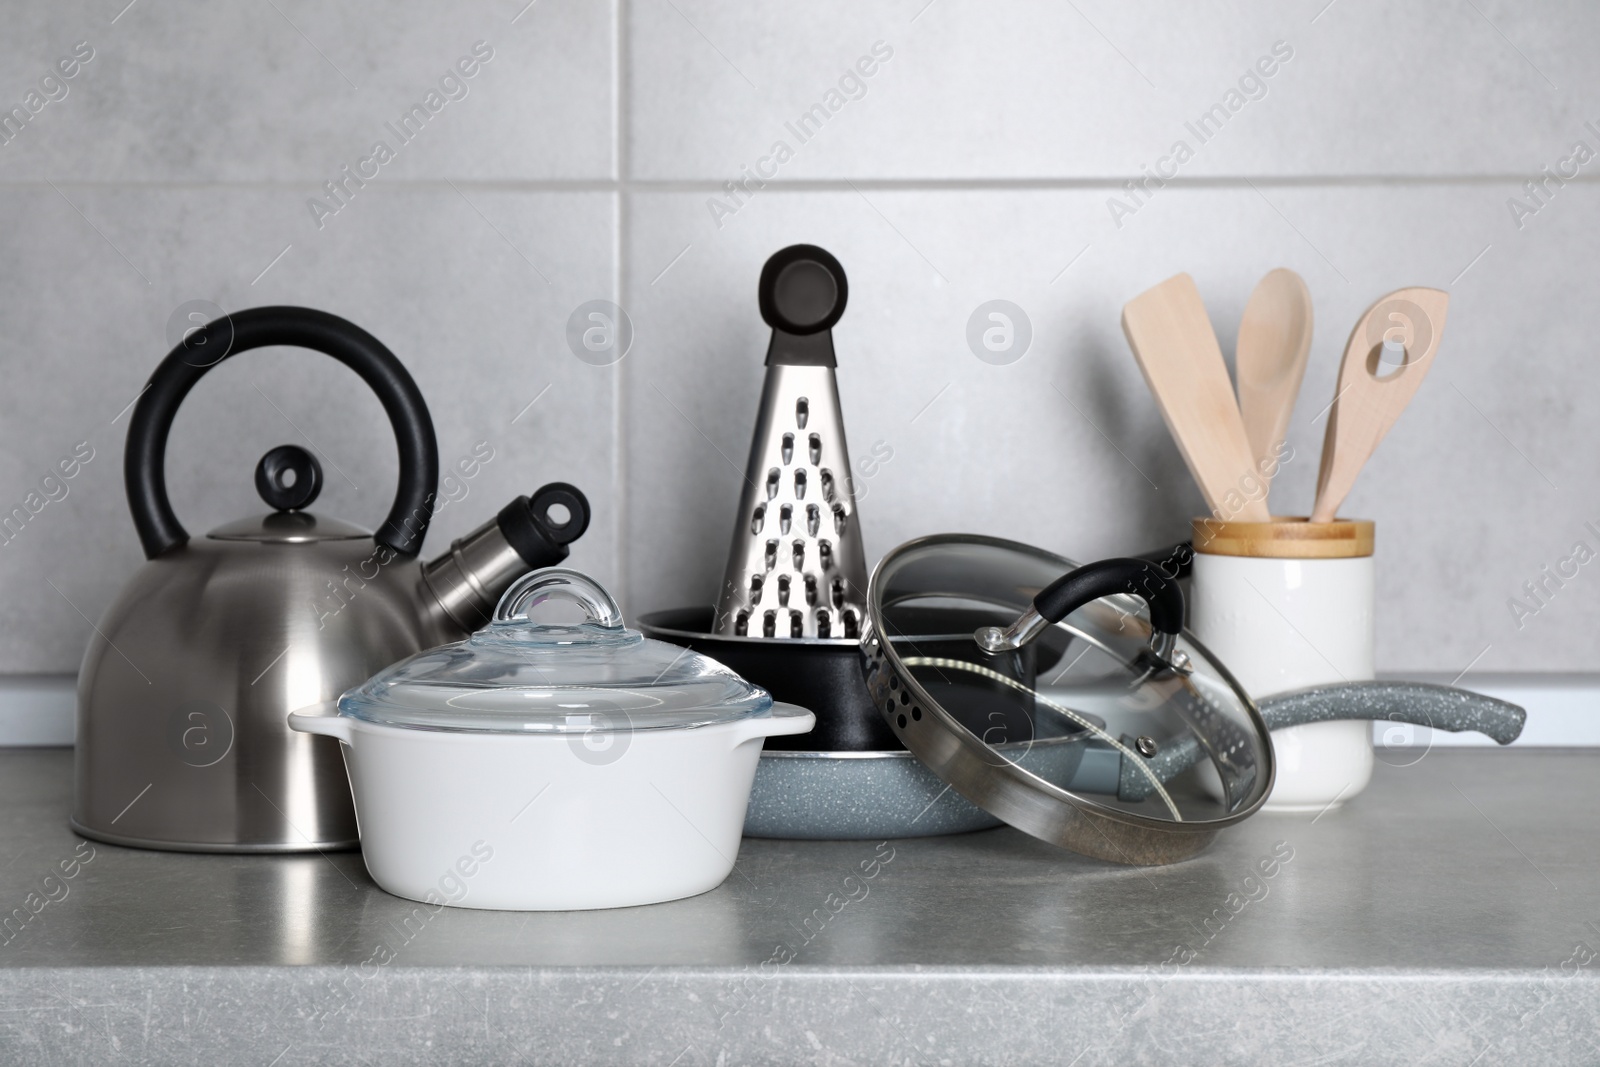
[{"x": 530, "y": 528}]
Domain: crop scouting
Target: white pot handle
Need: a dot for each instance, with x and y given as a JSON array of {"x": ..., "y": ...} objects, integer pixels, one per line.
[
  {"x": 323, "y": 718},
  {"x": 785, "y": 719}
]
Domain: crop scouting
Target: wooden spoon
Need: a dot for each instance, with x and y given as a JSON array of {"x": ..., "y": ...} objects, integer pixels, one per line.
[
  {"x": 1366, "y": 405},
  {"x": 1270, "y": 362},
  {"x": 1171, "y": 337}
]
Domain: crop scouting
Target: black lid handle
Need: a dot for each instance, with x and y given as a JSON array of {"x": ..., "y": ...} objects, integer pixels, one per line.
[
  {"x": 1071, "y": 591},
  {"x": 1136, "y": 577},
  {"x": 144, "y": 462}
]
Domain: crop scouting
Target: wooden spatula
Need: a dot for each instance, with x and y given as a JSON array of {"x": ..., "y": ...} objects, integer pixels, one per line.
[
  {"x": 1366, "y": 405},
  {"x": 1171, "y": 337},
  {"x": 1270, "y": 362}
]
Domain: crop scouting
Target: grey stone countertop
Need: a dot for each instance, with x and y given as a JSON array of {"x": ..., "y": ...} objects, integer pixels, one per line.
[{"x": 1445, "y": 916}]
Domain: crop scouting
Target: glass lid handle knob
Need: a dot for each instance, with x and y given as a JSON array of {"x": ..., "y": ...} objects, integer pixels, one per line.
[
  {"x": 561, "y": 584},
  {"x": 1109, "y": 577}
]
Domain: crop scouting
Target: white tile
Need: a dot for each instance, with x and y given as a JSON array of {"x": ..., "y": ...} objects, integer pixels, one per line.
[
  {"x": 1486, "y": 480},
  {"x": 293, "y": 90},
  {"x": 1037, "y": 89},
  {"x": 448, "y": 292},
  {"x": 1464, "y": 514}
]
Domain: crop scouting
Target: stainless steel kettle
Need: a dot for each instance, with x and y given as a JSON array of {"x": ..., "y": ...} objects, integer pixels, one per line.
[{"x": 186, "y": 686}]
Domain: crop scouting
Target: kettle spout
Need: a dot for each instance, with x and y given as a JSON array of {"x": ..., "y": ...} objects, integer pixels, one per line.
[{"x": 459, "y": 589}]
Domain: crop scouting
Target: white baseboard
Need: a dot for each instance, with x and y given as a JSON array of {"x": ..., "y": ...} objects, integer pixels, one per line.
[
  {"x": 1563, "y": 709},
  {"x": 38, "y": 709}
]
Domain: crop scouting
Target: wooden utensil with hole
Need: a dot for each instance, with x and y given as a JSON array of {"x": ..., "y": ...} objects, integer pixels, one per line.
[
  {"x": 1365, "y": 405},
  {"x": 1171, "y": 337},
  {"x": 1270, "y": 362}
]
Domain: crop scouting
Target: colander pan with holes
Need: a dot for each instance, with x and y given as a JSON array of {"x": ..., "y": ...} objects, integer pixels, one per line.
[{"x": 1115, "y": 676}]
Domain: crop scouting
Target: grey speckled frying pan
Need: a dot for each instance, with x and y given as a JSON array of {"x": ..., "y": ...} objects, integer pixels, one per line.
[{"x": 858, "y": 795}]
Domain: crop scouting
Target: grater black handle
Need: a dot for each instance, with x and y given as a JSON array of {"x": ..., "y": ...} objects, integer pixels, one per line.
[{"x": 803, "y": 292}]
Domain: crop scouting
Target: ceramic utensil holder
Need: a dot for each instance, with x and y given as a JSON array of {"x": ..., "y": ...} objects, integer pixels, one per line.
[{"x": 1288, "y": 604}]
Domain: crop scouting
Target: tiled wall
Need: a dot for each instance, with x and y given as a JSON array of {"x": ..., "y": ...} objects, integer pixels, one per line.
[{"x": 1369, "y": 146}]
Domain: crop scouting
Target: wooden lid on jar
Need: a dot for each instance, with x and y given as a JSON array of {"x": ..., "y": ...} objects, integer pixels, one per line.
[{"x": 1285, "y": 537}]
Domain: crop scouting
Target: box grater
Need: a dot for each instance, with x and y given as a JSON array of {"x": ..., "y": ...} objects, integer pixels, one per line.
[{"x": 796, "y": 568}]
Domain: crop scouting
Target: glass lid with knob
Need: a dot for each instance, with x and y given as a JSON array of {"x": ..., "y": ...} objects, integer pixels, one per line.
[
  {"x": 1066, "y": 700},
  {"x": 518, "y": 675}
]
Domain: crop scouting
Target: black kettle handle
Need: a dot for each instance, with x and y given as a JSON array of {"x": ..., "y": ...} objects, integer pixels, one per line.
[{"x": 144, "y": 462}]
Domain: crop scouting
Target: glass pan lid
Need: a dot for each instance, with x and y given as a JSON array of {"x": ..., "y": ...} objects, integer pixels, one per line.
[
  {"x": 520, "y": 676},
  {"x": 1167, "y": 746}
]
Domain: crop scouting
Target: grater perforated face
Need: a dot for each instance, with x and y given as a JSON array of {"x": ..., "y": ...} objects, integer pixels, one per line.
[{"x": 796, "y": 568}]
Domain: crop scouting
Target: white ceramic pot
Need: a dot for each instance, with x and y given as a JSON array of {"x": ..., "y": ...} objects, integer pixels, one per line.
[
  {"x": 551, "y": 767},
  {"x": 553, "y": 823},
  {"x": 1282, "y": 619}
]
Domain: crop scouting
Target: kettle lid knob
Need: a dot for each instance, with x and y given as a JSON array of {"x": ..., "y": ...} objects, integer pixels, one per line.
[{"x": 288, "y": 478}]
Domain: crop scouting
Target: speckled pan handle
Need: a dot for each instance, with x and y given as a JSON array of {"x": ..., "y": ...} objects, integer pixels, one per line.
[{"x": 1438, "y": 706}]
